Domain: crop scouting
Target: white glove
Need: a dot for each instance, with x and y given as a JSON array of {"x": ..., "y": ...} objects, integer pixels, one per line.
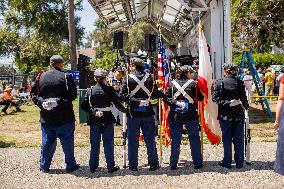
[
  {"x": 49, "y": 104},
  {"x": 99, "y": 114},
  {"x": 144, "y": 103},
  {"x": 234, "y": 102},
  {"x": 181, "y": 104}
]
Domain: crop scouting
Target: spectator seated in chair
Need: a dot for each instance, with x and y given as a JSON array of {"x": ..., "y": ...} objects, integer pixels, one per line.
[{"x": 8, "y": 100}]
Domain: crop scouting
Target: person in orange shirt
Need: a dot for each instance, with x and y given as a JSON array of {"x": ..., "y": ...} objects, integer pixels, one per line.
[{"x": 7, "y": 96}]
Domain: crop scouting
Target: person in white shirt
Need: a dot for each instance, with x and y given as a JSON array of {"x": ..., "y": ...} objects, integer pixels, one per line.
[
  {"x": 248, "y": 82},
  {"x": 169, "y": 52}
]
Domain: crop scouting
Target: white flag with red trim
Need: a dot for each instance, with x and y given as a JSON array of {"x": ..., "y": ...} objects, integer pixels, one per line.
[{"x": 208, "y": 109}]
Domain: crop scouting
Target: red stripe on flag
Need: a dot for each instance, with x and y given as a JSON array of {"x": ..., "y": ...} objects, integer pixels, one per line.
[{"x": 202, "y": 84}]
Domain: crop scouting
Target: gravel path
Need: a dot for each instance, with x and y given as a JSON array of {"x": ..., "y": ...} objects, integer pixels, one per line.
[{"x": 19, "y": 169}]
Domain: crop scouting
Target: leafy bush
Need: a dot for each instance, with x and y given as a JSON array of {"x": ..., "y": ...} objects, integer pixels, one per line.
[{"x": 262, "y": 59}]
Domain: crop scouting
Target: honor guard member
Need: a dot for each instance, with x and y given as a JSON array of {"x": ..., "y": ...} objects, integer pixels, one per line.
[
  {"x": 53, "y": 92},
  {"x": 97, "y": 103},
  {"x": 230, "y": 95},
  {"x": 115, "y": 81},
  {"x": 137, "y": 90},
  {"x": 182, "y": 96}
]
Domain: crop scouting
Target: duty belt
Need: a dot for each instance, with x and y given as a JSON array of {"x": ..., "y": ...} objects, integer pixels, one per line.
[{"x": 106, "y": 109}]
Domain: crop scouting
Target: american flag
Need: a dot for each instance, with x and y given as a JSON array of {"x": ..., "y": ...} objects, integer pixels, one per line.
[{"x": 164, "y": 79}]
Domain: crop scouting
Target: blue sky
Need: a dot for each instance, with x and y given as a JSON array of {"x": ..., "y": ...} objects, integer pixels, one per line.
[{"x": 88, "y": 16}]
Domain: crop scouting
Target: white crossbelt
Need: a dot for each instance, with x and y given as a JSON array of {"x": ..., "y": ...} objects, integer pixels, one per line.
[
  {"x": 181, "y": 90},
  {"x": 140, "y": 85}
]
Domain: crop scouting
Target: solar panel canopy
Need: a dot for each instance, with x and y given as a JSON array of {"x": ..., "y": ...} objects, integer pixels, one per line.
[{"x": 174, "y": 15}]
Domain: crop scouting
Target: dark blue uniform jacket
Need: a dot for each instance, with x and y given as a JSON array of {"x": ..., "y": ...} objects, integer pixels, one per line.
[
  {"x": 133, "y": 102},
  {"x": 193, "y": 91},
  {"x": 56, "y": 84},
  {"x": 225, "y": 90},
  {"x": 102, "y": 96}
]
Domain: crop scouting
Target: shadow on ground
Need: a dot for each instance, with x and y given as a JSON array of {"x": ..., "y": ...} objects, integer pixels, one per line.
[
  {"x": 6, "y": 144},
  {"x": 186, "y": 168},
  {"x": 257, "y": 116}
]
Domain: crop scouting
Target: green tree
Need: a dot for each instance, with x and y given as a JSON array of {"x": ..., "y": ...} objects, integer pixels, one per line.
[
  {"x": 33, "y": 30},
  {"x": 257, "y": 24}
]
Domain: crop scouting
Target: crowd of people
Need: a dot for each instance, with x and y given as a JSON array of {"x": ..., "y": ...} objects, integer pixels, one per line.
[
  {"x": 131, "y": 92},
  {"x": 269, "y": 80}
]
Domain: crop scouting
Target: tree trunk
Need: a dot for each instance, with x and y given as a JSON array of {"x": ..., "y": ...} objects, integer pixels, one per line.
[{"x": 72, "y": 35}]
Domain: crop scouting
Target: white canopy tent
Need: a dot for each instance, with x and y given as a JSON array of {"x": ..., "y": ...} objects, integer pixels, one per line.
[{"x": 179, "y": 17}]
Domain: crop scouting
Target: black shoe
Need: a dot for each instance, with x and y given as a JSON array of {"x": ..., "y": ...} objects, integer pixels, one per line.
[
  {"x": 4, "y": 111},
  {"x": 70, "y": 170},
  {"x": 112, "y": 170},
  {"x": 92, "y": 170},
  {"x": 44, "y": 170},
  {"x": 173, "y": 168},
  {"x": 223, "y": 165},
  {"x": 198, "y": 166},
  {"x": 239, "y": 166},
  {"x": 133, "y": 169},
  {"x": 18, "y": 109},
  {"x": 154, "y": 167}
]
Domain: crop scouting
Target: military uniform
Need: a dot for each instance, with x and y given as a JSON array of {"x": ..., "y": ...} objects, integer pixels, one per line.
[
  {"x": 182, "y": 96},
  {"x": 54, "y": 94},
  {"x": 137, "y": 90},
  {"x": 229, "y": 93},
  {"x": 97, "y": 103}
]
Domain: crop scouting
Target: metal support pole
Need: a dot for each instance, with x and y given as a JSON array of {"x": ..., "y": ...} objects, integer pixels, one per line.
[
  {"x": 247, "y": 138},
  {"x": 124, "y": 129}
]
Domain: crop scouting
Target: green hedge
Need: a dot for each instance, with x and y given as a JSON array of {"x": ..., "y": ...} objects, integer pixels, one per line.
[{"x": 262, "y": 59}]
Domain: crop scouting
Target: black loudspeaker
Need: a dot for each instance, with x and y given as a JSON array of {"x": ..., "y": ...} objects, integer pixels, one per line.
[
  {"x": 86, "y": 79},
  {"x": 118, "y": 40},
  {"x": 150, "y": 42},
  {"x": 83, "y": 62}
]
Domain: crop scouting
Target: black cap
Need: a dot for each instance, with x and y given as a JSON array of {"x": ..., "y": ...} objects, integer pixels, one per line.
[
  {"x": 186, "y": 68},
  {"x": 137, "y": 61},
  {"x": 230, "y": 68},
  {"x": 100, "y": 73},
  {"x": 56, "y": 59},
  {"x": 119, "y": 69}
]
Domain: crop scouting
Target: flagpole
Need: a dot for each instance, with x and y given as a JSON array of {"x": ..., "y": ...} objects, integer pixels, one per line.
[
  {"x": 201, "y": 114},
  {"x": 161, "y": 131},
  {"x": 160, "y": 107},
  {"x": 200, "y": 103}
]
